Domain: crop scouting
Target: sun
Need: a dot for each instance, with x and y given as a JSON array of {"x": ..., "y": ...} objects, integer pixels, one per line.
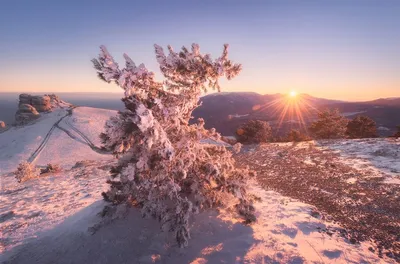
[{"x": 293, "y": 93}]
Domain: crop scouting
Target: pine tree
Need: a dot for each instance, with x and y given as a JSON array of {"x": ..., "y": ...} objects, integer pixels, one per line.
[
  {"x": 254, "y": 131},
  {"x": 162, "y": 167},
  {"x": 361, "y": 127},
  {"x": 330, "y": 125}
]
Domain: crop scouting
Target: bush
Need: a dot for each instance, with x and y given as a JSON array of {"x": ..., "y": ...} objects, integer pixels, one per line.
[
  {"x": 330, "y": 125},
  {"x": 162, "y": 166},
  {"x": 26, "y": 171},
  {"x": 51, "y": 168},
  {"x": 295, "y": 135},
  {"x": 254, "y": 131},
  {"x": 361, "y": 127},
  {"x": 397, "y": 134}
]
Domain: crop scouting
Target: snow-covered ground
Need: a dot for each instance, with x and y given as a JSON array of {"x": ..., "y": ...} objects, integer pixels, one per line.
[
  {"x": 87, "y": 120},
  {"x": 18, "y": 143},
  {"x": 41, "y": 204},
  {"x": 381, "y": 155},
  {"x": 46, "y": 220},
  {"x": 284, "y": 233}
]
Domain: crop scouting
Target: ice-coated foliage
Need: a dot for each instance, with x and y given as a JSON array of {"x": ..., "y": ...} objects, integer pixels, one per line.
[
  {"x": 254, "y": 131},
  {"x": 162, "y": 167},
  {"x": 330, "y": 125},
  {"x": 26, "y": 171},
  {"x": 362, "y": 127}
]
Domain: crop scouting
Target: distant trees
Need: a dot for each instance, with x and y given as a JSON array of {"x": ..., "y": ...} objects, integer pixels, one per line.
[
  {"x": 330, "y": 125},
  {"x": 162, "y": 166},
  {"x": 361, "y": 127},
  {"x": 254, "y": 131}
]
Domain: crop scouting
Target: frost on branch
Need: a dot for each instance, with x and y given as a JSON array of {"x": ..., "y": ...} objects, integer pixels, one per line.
[{"x": 162, "y": 167}]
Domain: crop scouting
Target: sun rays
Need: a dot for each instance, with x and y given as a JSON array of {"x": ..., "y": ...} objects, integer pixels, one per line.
[{"x": 294, "y": 108}]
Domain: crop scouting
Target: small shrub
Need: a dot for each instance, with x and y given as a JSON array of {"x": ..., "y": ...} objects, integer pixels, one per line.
[
  {"x": 361, "y": 127},
  {"x": 397, "y": 134},
  {"x": 26, "y": 171},
  {"x": 51, "y": 168},
  {"x": 330, "y": 125},
  {"x": 295, "y": 135},
  {"x": 278, "y": 139},
  {"x": 254, "y": 131}
]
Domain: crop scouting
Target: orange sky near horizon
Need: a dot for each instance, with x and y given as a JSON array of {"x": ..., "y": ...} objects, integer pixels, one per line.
[
  {"x": 86, "y": 81},
  {"x": 346, "y": 50}
]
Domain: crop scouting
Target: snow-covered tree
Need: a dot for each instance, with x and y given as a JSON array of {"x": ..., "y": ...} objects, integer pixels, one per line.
[
  {"x": 254, "y": 131},
  {"x": 330, "y": 125},
  {"x": 162, "y": 167},
  {"x": 362, "y": 127},
  {"x": 26, "y": 171}
]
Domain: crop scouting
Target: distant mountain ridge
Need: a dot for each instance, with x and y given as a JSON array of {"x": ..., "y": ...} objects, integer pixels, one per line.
[{"x": 228, "y": 110}]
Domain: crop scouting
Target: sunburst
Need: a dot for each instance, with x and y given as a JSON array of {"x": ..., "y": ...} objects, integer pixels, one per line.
[
  {"x": 293, "y": 107},
  {"x": 293, "y": 93}
]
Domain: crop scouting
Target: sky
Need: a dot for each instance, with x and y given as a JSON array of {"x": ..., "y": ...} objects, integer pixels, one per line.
[{"x": 338, "y": 49}]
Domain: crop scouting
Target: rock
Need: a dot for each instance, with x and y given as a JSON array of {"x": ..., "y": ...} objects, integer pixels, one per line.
[
  {"x": 30, "y": 106},
  {"x": 25, "y": 114},
  {"x": 24, "y": 99},
  {"x": 43, "y": 108},
  {"x": 40, "y": 100},
  {"x": 40, "y": 103},
  {"x": 27, "y": 108}
]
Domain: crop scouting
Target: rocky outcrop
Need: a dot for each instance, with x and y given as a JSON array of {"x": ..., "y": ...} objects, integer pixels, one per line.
[
  {"x": 40, "y": 103},
  {"x": 56, "y": 101},
  {"x": 30, "y": 106},
  {"x": 25, "y": 114}
]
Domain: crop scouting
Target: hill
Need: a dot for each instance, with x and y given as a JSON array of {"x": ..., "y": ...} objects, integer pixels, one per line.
[{"x": 227, "y": 111}]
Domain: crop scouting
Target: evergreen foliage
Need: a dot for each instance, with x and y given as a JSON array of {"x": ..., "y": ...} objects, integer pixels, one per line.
[
  {"x": 254, "y": 131},
  {"x": 361, "y": 127},
  {"x": 330, "y": 125},
  {"x": 162, "y": 166}
]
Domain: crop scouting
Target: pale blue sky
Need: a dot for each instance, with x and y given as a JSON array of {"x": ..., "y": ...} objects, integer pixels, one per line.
[{"x": 335, "y": 49}]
